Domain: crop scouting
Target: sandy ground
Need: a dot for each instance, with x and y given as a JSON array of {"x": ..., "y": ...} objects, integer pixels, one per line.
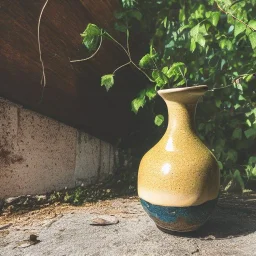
[{"x": 66, "y": 230}]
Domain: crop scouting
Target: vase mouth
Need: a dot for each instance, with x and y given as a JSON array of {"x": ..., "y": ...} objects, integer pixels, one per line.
[
  {"x": 190, "y": 88},
  {"x": 186, "y": 95}
]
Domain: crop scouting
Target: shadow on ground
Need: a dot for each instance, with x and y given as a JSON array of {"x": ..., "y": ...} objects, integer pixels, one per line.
[{"x": 234, "y": 216}]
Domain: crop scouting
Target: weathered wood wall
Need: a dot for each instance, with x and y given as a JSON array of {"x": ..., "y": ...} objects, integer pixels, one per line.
[{"x": 73, "y": 94}]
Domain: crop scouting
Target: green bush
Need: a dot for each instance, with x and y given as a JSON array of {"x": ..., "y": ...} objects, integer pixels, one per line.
[{"x": 197, "y": 42}]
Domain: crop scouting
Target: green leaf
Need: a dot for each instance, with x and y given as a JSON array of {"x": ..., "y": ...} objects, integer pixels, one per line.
[
  {"x": 182, "y": 15},
  {"x": 248, "y": 78},
  {"x": 107, "y": 81},
  {"x": 160, "y": 78},
  {"x": 237, "y": 106},
  {"x": 139, "y": 102},
  {"x": 237, "y": 134},
  {"x": 239, "y": 28},
  {"x": 241, "y": 98},
  {"x": 192, "y": 45},
  {"x": 197, "y": 33},
  {"x": 223, "y": 62},
  {"x": 146, "y": 61},
  {"x": 226, "y": 44},
  {"x": 252, "y": 38},
  {"x": 151, "y": 93},
  {"x": 248, "y": 122},
  {"x": 215, "y": 17},
  {"x": 91, "y": 36},
  {"x": 201, "y": 40},
  {"x": 129, "y": 3},
  {"x": 252, "y": 24},
  {"x": 159, "y": 120},
  {"x": 250, "y": 133}
]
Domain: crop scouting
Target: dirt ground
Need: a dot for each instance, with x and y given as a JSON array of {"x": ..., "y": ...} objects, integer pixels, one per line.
[{"x": 65, "y": 230}]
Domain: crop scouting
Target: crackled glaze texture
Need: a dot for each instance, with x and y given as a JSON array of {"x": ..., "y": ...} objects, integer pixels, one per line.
[{"x": 179, "y": 171}]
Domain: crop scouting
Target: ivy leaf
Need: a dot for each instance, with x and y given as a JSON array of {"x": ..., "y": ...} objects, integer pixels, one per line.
[
  {"x": 252, "y": 38},
  {"x": 107, "y": 81},
  {"x": 159, "y": 120},
  {"x": 91, "y": 36},
  {"x": 139, "y": 102}
]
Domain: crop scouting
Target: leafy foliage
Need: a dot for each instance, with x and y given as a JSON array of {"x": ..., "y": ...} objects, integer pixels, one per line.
[
  {"x": 202, "y": 42},
  {"x": 91, "y": 37},
  {"x": 107, "y": 81}
]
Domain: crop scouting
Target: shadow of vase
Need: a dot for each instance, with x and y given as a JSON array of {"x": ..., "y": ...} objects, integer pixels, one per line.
[{"x": 234, "y": 216}]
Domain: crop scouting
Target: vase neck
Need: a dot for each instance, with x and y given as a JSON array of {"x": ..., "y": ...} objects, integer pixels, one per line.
[{"x": 180, "y": 116}]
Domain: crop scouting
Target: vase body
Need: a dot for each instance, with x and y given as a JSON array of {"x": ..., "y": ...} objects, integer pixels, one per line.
[{"x": 178, "y": 179}]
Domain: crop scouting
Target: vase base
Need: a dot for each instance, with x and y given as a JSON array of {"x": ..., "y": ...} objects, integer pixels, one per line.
[{"x": 179, "y": 219}]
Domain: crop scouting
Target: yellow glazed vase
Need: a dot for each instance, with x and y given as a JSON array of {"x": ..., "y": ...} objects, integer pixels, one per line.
[{"x": 178, "y": 179}]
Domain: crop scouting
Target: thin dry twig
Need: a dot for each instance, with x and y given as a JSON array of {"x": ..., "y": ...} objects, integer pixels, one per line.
[
  {"x": 43, "y": 80},
  {"x": 101, "y": 39}
]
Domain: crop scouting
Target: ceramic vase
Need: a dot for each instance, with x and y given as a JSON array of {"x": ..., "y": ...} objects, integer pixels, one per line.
[{"x": 178, "y": 179}]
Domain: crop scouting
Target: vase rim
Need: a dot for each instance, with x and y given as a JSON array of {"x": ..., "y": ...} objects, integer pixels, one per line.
[{"x": 190, "y": 88}]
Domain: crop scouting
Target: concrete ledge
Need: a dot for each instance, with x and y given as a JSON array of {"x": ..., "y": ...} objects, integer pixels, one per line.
[{"x": 39, "y": 154}]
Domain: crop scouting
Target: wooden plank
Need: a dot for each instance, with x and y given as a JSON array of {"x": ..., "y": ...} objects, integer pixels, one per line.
[{"x": 73, "y": 94}]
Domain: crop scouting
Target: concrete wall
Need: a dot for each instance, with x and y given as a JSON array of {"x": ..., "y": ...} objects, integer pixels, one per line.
[{"x": 39, "y": 154}]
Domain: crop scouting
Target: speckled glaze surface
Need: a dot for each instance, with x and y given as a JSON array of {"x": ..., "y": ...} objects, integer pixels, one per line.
[{"x": 179, "y": 171}]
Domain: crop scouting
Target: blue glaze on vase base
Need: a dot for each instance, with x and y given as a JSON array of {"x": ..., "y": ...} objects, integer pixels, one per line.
[{"x": 179, "y": 219}]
